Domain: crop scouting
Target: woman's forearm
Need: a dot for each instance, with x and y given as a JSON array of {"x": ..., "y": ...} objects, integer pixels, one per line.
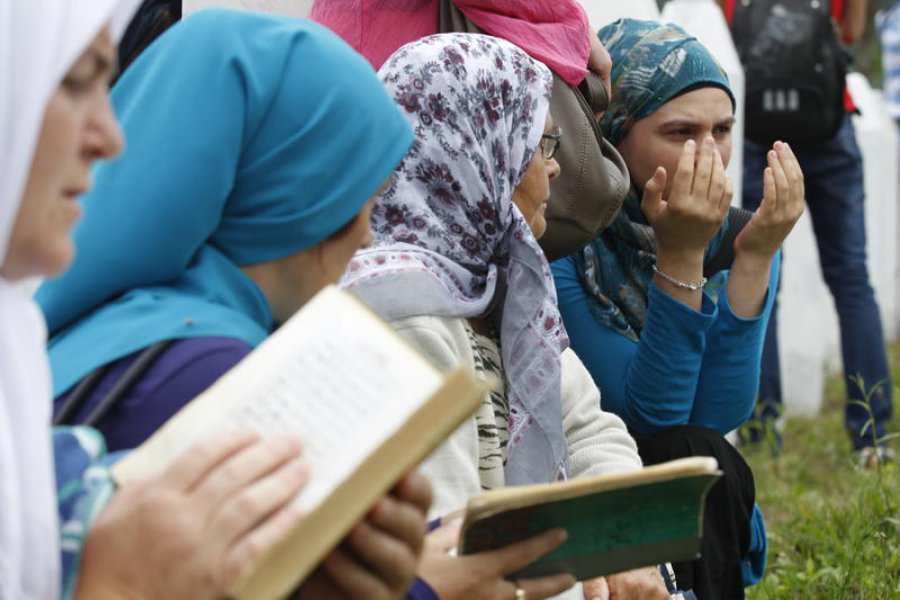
[
  {"x": 729, "y": 375},
  {"x": 748, "y": 284},
  {"x": 686, "y": 267}
]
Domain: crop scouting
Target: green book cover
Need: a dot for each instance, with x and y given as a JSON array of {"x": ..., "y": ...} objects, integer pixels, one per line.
[{"x": 615, "y": 523}]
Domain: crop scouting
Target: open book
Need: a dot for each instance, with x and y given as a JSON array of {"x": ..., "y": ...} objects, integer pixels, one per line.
[
  {"x": 615, "y": 522},
  {"x": 368, "y": 406}
]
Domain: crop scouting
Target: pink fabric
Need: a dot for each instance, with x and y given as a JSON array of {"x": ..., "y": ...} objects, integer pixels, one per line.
[{"x": 554, "y": 32}]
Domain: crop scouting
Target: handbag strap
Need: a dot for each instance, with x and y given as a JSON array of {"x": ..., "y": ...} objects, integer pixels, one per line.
[
  {"x": 594, "y": 92},
  {"x": 83, "y": 390},
  {"x": 452, "y": 20},
  {"x": 721, "y": 260}
]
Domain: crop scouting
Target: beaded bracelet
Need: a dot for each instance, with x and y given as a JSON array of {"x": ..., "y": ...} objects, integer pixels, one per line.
[{"x": 685, "y": 285}]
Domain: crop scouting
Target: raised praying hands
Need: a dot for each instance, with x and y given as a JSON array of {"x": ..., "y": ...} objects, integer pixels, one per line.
[
  {"x": 699, "y": 199},
  {"x": 782, "y": 205}
]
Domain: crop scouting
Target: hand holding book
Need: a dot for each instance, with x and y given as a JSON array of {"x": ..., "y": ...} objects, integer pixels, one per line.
[
  {"x": 379, "y": 557},
  {"x": 645, "y": 583},
  {"x": 483, "y": 576},
  {"x": 230, "y": 497},
  {"x": 368, "y": 408},
  {"x": 227, "y": 497}
]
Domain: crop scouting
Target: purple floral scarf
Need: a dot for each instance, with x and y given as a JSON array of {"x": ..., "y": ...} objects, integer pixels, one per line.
[{"x": 449, "y": 241}]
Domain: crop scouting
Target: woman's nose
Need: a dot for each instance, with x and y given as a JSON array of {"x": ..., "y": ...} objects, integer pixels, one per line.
[
  {"x": 104, "y": 139},
  {"x": 553, "y": 169}
]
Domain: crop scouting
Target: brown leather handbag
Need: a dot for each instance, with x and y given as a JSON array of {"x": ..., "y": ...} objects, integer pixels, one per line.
[{"x": 594, "y": 180}]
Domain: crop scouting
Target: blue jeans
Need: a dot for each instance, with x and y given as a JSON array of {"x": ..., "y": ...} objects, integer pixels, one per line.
[{"x": 833, "y": 173}]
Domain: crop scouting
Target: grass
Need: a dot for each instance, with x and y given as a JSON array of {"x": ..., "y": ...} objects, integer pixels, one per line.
[{"x": 833, "y": 528}]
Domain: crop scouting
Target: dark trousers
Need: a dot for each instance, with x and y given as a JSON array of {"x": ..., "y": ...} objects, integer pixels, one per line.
[
  {"x": 833, "y": 173},
  {"x": 716, "y": 575}
]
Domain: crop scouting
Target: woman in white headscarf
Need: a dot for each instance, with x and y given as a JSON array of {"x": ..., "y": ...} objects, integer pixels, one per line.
[
  {"x": 192, "y": 531},
  {"x": 38, "y": 42}
]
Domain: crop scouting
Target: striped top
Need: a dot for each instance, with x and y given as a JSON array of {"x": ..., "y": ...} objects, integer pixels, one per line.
[{"x": 492, "y": 418}]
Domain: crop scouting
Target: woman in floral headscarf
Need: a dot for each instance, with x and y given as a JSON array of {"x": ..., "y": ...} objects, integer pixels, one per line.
[
  {"x": 677, "y": 364},
  {"x": 456, "y": 266}
]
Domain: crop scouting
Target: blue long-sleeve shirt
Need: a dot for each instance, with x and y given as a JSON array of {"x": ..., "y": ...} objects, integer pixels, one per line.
[{"x": 699, "y": 367}]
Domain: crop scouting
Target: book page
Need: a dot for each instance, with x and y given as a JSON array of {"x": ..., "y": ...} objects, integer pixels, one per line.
[
  {"x": 294, "y": 8},
  {"x": 334, "y": 373}
]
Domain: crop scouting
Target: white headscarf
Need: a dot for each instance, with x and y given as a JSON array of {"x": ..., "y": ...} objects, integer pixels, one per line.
[{"x": 39, "y": 41}]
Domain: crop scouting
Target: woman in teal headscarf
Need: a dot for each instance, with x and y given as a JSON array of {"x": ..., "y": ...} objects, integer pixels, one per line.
[
  {"x": 680, "y": 363},
  {"x": 192, "y": 529},
  {"x": 244, "y": 189}
]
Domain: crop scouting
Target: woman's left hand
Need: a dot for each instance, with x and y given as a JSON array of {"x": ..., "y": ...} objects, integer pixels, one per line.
[
  {"x": 781, "y": 207},
  {"x": 482, "y": 576},
  {"x": 639, "y": 584}
]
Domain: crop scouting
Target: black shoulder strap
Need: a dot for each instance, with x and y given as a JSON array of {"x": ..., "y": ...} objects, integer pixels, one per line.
[
  {"x": 84, "y": 388},
  {"x": 737, "y": 220}
]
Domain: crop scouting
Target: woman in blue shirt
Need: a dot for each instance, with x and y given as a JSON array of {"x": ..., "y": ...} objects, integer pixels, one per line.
[{"x": 678, "y": 363}]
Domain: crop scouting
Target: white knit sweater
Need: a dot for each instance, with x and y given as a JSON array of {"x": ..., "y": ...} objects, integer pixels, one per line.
[{"x": 598, "y": 441}]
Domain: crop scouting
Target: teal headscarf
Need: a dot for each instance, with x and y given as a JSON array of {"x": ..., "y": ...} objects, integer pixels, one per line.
[
  {"x": 653, "y": 63},
  {"x": 249, "y": 138}
]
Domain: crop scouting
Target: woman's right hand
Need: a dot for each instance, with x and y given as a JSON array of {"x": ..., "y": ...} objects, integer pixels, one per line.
[
  {"x": 480, "y": 576},
  {"x": 698, "y": 202},
  {"x": 378, "y": 559},
  {"x": 192, "y": 531}
]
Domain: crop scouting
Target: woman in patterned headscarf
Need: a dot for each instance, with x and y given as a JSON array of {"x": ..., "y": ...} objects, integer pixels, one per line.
[
  {"x": 280, "y": 168},
  {"x": 456, "y": 266},
  {"x": 677, "y": 363}
]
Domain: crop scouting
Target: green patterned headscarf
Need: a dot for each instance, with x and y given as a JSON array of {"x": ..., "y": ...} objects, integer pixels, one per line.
[{"x": 652, "y": 64}]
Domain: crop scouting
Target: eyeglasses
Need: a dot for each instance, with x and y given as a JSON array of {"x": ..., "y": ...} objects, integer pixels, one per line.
[{"x": 550, "y": 143}]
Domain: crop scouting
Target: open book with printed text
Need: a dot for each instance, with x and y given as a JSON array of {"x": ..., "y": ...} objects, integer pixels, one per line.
[{"x": 367, "y": 405}]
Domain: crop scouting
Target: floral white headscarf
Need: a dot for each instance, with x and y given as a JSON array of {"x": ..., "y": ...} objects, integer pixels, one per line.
[{"x": 450, "y": 242}]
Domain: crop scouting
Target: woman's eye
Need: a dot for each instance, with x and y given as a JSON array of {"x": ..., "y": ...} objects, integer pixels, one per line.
[
  {"x": 77, "y": 85},
  {"x": 681, "y": 133},
  {"x": 723, "y": 130}
]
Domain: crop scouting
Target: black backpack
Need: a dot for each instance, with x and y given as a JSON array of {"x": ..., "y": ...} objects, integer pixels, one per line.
[{"x": 795, "y": 70}]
